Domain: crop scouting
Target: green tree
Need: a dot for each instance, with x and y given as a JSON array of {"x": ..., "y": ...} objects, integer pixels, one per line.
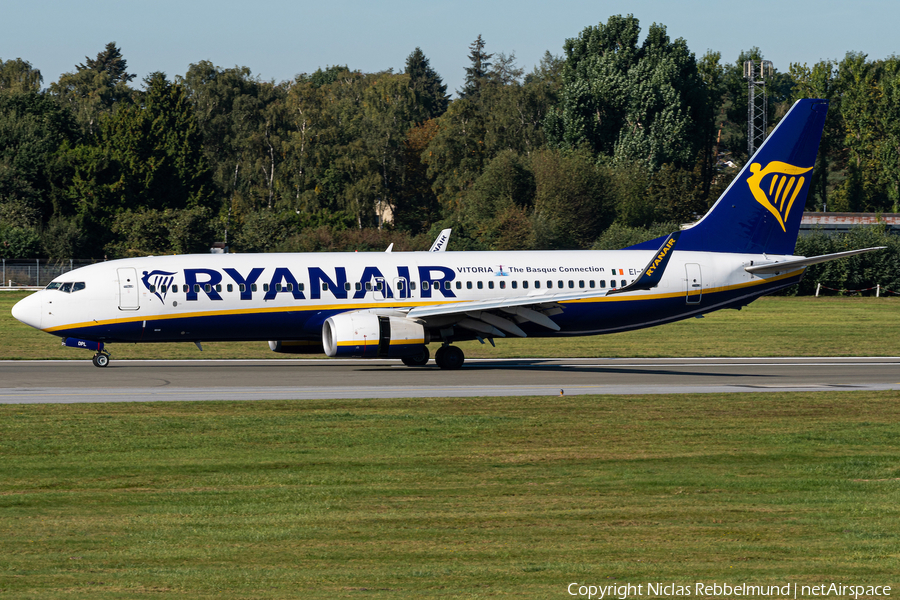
[
  {"x": 345, "y": 149},
  {"x": 157, "y": 148},
  {"x": 146, "y": 156},
  {"x": 148, "y": 231},
  {"x": 34, "y": 132},
  {"x": 96, "y": 87},
  {"x": 506, "y": 115},
  {"x": 573, "y": 199},
  {"x": 19, "y": 242},
  {"x": 820, "y": 81},
  {"x": 618, "y": 236},
  {"x": 17, "y": 75},
  {"x": 456, "y": 155},
  {"x": 862, "y": 189},
  {"x": 548, "y": 72},
  {"x": 887, "y": 113},
  {"x": 631, "y": 103},
  {"x": 430, "y": 90},
  {"x": 63, "y": 238},
  {"x": 478, "y": 71},
  {"x": 111, "y": 62},
  {"x": 712, "y": 73},
  {"x": 629, "y": 185},
  {"x": 498, "y": 209},
  {"x": 416, "y": 206}
]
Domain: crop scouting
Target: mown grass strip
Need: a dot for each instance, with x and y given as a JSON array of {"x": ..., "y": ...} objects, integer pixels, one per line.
[
  {"x": 450, "y": 498},
  {"x": 775, "y": 326}
]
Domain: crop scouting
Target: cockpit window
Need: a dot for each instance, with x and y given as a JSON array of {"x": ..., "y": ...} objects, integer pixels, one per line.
[{"x": 66, "y": 286}]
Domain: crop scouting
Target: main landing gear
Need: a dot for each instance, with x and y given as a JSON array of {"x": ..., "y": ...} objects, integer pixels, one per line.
[
  {"x": 446, "y": 357},
  {"x": 417, "y": 360},
  {"x": 449, "y": 357}
]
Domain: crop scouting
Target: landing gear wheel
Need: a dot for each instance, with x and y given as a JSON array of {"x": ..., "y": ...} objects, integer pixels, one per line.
[
  {"x": 449, "y": 357},
  {"x": 100, "y": 360},
  {"x": 418, "y": 360}
]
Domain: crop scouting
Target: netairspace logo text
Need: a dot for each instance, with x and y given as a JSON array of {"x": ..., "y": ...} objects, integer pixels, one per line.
[{"x": 701, "y": 590}]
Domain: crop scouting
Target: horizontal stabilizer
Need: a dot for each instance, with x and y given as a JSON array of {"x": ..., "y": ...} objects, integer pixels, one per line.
[{"x": 787, "y": 265}]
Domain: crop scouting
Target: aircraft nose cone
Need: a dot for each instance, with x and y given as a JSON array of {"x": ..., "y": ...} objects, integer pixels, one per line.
[{"x": 28, "y": 310}]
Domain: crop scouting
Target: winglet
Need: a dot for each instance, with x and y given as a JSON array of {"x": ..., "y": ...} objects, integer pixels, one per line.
[
  {"x": 440, "y": 244},
  {"x": 653, "y": 272}
]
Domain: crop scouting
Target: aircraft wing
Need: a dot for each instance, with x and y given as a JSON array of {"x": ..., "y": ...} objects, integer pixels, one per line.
[
  {"x": 494, "y": 316},
  {"x": 787, "y": 265}
]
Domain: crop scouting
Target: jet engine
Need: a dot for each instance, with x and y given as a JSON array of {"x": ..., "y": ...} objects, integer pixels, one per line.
[{"x": 365, "y": 334}]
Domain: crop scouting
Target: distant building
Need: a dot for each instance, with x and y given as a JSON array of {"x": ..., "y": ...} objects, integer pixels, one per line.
[
  {"x": 384, "y": 213},
  {"x": 833, "y": 222}
]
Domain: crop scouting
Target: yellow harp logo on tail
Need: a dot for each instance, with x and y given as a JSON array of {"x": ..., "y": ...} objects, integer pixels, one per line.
[{"x": 776, "y": 187}]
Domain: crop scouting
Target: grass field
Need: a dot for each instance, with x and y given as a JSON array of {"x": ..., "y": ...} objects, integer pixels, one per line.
[
  {"x": 463, "y": 498},
  {"x": 447, "y": 498},
  {"x": 774, "y": 326}
]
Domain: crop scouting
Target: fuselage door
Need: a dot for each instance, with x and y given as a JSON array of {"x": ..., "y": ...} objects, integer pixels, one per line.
[
  {"x": 379, "y": 290},
  {"x": 128, "y": 289},
  {"x": 401, "y": 287},
  {"x": 694, "y": 283}
]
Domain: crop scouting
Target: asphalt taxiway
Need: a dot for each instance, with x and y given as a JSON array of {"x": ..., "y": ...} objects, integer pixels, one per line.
[{"x": 23, "y": 382}]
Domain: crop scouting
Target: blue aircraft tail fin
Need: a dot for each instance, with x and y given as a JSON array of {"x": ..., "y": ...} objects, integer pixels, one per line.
[{"x": 760, "y": 211}]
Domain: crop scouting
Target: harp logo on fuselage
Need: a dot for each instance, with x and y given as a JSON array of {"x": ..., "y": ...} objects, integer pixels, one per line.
[
  {"x": 159, "y": 282},
  {"x": 776, "y": 187}
]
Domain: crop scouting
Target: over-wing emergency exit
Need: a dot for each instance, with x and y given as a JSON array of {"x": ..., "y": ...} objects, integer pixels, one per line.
[{"x": 394, "y": 304}]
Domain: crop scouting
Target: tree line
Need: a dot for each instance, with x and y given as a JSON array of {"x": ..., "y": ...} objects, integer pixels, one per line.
[{"x": 611, "y": 142}]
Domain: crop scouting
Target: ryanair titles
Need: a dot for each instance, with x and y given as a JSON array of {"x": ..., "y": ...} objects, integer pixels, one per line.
[
  {"x": 661, "y": 255},
  {"x": 315, "y": 282}
]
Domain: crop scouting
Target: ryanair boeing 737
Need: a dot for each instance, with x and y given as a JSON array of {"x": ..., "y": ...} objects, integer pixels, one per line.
[{"x": 393, "y": 304}]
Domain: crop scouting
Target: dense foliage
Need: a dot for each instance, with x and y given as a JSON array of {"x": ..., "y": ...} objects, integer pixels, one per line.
[{"x": 612, "y": 142}]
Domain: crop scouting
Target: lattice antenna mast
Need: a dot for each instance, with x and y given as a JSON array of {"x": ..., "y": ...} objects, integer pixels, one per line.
[{"x": 756, "y": 74}]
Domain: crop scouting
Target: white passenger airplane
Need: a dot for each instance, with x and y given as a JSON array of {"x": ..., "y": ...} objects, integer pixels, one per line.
[{"x": 393, "y": 304}]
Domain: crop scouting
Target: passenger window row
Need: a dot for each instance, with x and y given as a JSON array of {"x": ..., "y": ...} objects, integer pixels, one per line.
[{"x": 378, "y": 286}]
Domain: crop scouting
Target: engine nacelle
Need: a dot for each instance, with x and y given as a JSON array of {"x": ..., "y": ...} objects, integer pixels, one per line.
[
  {"x": 370, "y": 335},
  {"x": 296, "y": 347}
]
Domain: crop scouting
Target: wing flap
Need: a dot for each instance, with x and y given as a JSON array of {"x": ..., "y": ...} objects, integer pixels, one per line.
[
  {"x": 500, "y": 303},
  {"x": 498, "y": 322}
]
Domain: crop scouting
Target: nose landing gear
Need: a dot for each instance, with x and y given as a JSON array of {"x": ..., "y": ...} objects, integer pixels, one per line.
[{"x": 101, "y": 358}]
